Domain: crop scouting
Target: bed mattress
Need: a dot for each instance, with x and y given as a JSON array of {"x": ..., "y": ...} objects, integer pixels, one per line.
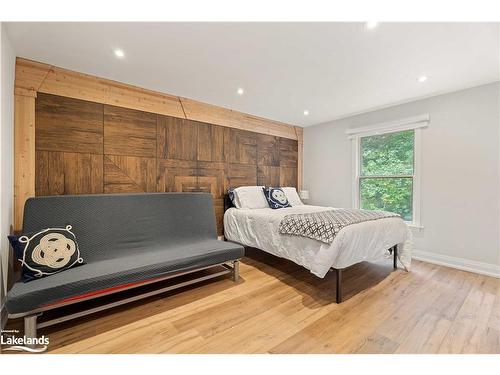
[{"x": 366, "y": 241}]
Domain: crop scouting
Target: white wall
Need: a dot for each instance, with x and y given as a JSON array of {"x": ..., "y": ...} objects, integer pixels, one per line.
[
  {"x": 460, "y": 172},
  {"x": 7, "y": 60}
]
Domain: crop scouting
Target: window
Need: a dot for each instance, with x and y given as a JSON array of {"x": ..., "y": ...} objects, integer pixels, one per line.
[
  {"x": 386, "y": 173},
  {"x": 386, "y": 170}
]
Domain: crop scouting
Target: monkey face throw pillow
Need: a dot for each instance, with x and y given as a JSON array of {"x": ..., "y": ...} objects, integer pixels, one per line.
[
  {"x": 276, "y": 198},
  {"x": 46, "y": 252}
]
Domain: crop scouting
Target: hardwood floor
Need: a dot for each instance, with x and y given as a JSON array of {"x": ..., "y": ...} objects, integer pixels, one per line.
[{"x": 278, "y": 307}]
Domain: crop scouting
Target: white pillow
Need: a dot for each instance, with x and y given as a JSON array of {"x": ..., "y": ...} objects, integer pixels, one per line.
[
  {"x": 250, "y": 197},
  {"x": 292, "y": 196}
]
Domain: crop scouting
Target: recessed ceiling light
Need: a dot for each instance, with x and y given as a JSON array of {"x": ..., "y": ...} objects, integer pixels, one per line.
[
  {"x": 119, "y": 53},
  {"x": 240, "y": 91},
  {"x": 306, "y": 112},
  {"x": 371, "y": 25},
  {"x": 422, "y": 79}
]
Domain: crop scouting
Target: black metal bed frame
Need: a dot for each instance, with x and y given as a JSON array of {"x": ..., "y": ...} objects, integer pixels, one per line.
[{"x": 338, "y": 271}]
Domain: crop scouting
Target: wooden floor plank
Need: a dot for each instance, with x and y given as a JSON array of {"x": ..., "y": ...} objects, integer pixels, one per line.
[
  {"x": 377, "y": 344},
  {"x": 279, "y": 307},
  {"x": 426, "y": 336},
  {"x": 471, "y": 323}
]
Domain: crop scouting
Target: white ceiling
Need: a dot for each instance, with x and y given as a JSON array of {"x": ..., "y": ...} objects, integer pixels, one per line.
[{"x": 330, "y": 69}]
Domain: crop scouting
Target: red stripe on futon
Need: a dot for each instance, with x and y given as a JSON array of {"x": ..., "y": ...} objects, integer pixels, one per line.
[{"x": 99, "y": 292}]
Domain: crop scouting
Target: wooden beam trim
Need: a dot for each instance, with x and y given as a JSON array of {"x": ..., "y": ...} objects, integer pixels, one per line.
[
  {"x": 300, "y": 157},
  {"x": 24, "y": 155},
  {"x": 32, "y": 75},
  {"x": 24, "y": 92},
  {"x": 203, "y": 112}
]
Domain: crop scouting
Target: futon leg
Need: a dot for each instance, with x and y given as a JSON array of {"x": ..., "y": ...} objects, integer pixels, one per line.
[
  {"x": 236, "y": 270},
  {"x": 338, "y": 273},
  {"x": 30, "y": 327},
  {"x": 395, "y": 256}
]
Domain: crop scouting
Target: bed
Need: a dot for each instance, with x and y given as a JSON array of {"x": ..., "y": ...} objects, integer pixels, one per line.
[{"x": 366, "y": 241}]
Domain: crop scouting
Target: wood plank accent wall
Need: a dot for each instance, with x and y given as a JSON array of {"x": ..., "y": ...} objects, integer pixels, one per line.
[
  {"x": 24, "y": 160},
  {"x": 84, "y": 147},
  {"x": 95, "y": 135}
]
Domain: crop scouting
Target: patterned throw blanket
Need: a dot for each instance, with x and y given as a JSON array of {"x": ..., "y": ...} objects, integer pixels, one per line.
[{"x": 325, "y": 225}]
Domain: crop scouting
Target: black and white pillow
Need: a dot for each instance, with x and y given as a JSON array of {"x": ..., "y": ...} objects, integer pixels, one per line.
[
  {"x": 232, "y": 196},
  {"x": 46, "y": 252},
  {"x": 276, "y": 198}
]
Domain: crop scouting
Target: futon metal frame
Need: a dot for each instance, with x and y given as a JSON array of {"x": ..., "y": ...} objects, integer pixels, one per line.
[{"x": 31, "y": 325}]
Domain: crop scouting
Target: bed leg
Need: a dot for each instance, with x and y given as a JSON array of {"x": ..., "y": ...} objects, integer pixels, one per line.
[
  {"x": 30, "y": 326},
  {"x": 338, "y": 273},
  {"x": 236, "y": 271},
  {"x": 395, "y": 256}
]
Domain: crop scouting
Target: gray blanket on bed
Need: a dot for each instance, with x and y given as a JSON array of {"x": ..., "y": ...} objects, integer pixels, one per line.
[{"x": 325, "y": 225}]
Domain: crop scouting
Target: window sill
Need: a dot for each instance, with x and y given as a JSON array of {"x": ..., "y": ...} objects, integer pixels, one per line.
[{"x": 414, "y": 225}]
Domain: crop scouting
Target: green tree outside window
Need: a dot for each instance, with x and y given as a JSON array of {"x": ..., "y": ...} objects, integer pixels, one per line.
[{"x": 386, "y": 173}]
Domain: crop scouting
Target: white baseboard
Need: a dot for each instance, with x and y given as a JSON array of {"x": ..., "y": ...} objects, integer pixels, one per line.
[{"x": 487, "y": 269}]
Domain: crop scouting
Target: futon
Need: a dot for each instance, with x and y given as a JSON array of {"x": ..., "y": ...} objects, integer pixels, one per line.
[{"x": 125, "y": 240}]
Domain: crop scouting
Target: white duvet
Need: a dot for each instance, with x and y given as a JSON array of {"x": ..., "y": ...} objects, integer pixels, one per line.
[{"x": 367, "y": 241}]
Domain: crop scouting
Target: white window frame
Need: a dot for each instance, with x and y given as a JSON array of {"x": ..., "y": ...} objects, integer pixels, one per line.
[{"x": 416, "y": 123}]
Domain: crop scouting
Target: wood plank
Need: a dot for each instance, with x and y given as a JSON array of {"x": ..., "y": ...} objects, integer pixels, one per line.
[
  {"x": 76, "y": 85},
  {"x": 30, "y": 74},
  {"x": 377, "y": 344},
  {"x": 300, "y": 157},
  {"x": 288, "y": 153},
  {"x": 211, "y": 114},
  {"x": 177, "y": 138},
  {"x": 56, "y": 174},
  {"x": 123, "y": 95},
  {"x": 83, "y": 173},
  {"x": 241, "y": 175},
  {"x": 257, "y": 124},
  {"x": 397, "y": 327},
  {"x": 207, "y": 113},
  {"x": 288, "y": 176},
  {"x": 470, "y": 326},
  {"x": 72, "y": 173},
  {"x": 212, "y": 178},
  {"x": 242, "y": 147},
  {"x": 426, "y": 336},
  {"x": 129, "y": 174},
  {"x": 346, "y": 329},
  {"x": 177, "y": 175},
  {"x": 268, "y": 176},
  {"x": 68, "y": 125},
  {"x": 494, "y": 321},
  {"x": 24, "y": 155},
  {"x": 42, "y": 173},
  {"x": 268, "y": 150},
  {"x": 219, "y": 215},
  {"x": 129, "y": 132},
  {"x": 25, "y": 92},
  {"x": 211, "y": 142}
]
